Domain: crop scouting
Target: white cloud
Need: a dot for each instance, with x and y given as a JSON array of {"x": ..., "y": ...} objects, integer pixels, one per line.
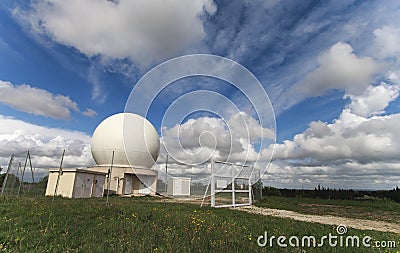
[
  {"x": 234, "y": 140},
  {"x": 339, "y": 68},
  {"x": 145, "y": 31},
  {"x": 387, "y": 41},
  {"x": 357, "y": 150},
  {"x": 89, "y": 113},
  {"x": 350, "y": 137},
  {"x": 98, "y": 93},
  {"x": 38, "y": 101},
  {"x": 374, "y": 100},
  {"x": 244, "y": 125},
  {"x": 45, "y": 144}
]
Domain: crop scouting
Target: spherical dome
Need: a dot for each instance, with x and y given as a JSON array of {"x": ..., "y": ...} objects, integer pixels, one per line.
[{"x": 133, "y": 139}]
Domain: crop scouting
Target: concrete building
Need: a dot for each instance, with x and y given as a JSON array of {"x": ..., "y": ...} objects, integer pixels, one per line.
[{"x": 76, "y": 183}]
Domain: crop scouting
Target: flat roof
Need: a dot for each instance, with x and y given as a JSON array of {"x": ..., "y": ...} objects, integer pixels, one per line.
[{"x": 78, "y": 170}]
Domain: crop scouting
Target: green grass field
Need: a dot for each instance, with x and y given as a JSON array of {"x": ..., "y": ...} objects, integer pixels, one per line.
[
  {"x": 372, "y": 209},
  {"x": 144, "y": 224}
]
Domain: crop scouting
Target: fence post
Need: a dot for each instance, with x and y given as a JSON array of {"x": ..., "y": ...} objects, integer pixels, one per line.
[
  {"x": 23, "y": 173},
  {"x": 59, "y": 174},
  {"x": 6, "y": 177},
  {"x": 212, "y": 184},
  {"x": 109, "y": 176}
]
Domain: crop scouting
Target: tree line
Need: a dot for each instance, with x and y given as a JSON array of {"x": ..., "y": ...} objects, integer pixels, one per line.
[{"x": 332, "y": 193}]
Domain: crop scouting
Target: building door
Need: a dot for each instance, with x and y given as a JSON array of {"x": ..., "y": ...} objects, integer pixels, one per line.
[
  {"x": 83, "y": 185},
  {"x": 78, "y": 186},
  {"x": 177, "y": 186},
  {"x": 128, "y": 184},
  {"x": 87, "y": 186},
  {"x": 98, "y": 186}
]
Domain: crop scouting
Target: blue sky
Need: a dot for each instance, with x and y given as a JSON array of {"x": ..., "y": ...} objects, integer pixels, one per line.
[{"x": 330, "y": 68}]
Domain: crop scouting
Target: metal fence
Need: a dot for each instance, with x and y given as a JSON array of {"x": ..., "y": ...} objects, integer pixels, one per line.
[{"x": 19, "y": 175}]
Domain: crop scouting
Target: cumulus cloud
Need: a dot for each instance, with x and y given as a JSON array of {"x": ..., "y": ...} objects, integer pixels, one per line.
[
  {"x": 234, "y": 140},
  {"x": 244, "y": 125},
  {"x": 359, "y": 146},
  {"x": 45, "y": 144},
  {"x": 38, "y": 101},
  {"x": 145, "y": 31},
  {"x": 339, "y": 68},
  {"x": 350, "y": 137},
  {"x": 374, "y": 99},
  {"x": 387, "y": 41}
]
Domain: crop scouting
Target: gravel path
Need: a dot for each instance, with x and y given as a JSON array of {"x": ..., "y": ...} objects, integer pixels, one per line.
[{"x": 328, "y": 219}]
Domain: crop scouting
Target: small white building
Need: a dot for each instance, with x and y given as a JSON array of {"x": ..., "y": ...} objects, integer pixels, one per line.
[
  {"x": 179, "y": 186},
  {"x": 76, "y": 183}
]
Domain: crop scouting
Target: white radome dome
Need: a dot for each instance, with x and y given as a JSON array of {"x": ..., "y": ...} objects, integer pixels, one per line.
[{"x": 141, "y": 141}]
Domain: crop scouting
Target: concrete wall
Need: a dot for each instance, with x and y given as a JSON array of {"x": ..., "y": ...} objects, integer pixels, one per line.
[
  {"x": 65, "y": 187},
  {"x": 51, "y": 183},
  {"x": 65, "y": 184}
]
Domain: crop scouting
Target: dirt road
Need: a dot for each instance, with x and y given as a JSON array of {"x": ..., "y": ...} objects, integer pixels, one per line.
[{"x": 330, "y": 220}]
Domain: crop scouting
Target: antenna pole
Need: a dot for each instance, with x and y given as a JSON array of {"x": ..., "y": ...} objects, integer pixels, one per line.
[
  {"x": 109, "y": 176},
  {"x": 59, "y": 174}
]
